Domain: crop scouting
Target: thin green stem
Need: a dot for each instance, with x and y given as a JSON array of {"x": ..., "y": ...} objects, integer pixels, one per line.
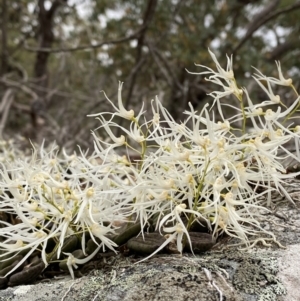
[{"x": 296, "y": 108}]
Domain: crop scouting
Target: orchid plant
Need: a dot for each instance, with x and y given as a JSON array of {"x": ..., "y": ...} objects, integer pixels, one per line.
[{"x": 199, "y": 171}]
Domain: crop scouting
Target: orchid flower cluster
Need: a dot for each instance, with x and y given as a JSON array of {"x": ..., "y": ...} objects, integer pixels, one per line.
[{"x": 208, "y": 173}]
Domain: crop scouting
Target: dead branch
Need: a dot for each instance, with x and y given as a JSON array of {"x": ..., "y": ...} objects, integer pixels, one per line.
[
  {"x": 85, "y": 47},
  {"x": 29, "y": 88},
  {"x": 6, "y": 102},
  {"x": 165, "y": 67},
  {"x": 24, "y": 88},
  {"x": 282, "y": 48},
  {"x": 262, "y": 18}
]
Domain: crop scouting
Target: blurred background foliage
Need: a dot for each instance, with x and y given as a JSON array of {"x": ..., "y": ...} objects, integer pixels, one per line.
[{"x": 57, "y": 56}]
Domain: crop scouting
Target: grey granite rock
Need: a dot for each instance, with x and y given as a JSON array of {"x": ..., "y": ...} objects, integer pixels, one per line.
[
  {"x": 224, "y": 273},
  {"x": 229, "y": 275}
]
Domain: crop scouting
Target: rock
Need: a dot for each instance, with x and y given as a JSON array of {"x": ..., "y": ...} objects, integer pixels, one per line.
[
  {"x": 251, "y": 276},
  {"x": 223, "y": 273},
  {"x": 289, "y": 272}
]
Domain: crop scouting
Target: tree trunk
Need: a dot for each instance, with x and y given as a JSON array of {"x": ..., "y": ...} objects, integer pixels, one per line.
[
  {"x": 45, "y": 39},
  {"x": 4, "y": 64}
]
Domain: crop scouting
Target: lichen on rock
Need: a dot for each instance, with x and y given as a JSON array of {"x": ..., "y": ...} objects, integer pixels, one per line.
[
  {"x": 251, "y": 277},
  {"x": 251, "y": 273},
  {"x": 159, "y": 278}
]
